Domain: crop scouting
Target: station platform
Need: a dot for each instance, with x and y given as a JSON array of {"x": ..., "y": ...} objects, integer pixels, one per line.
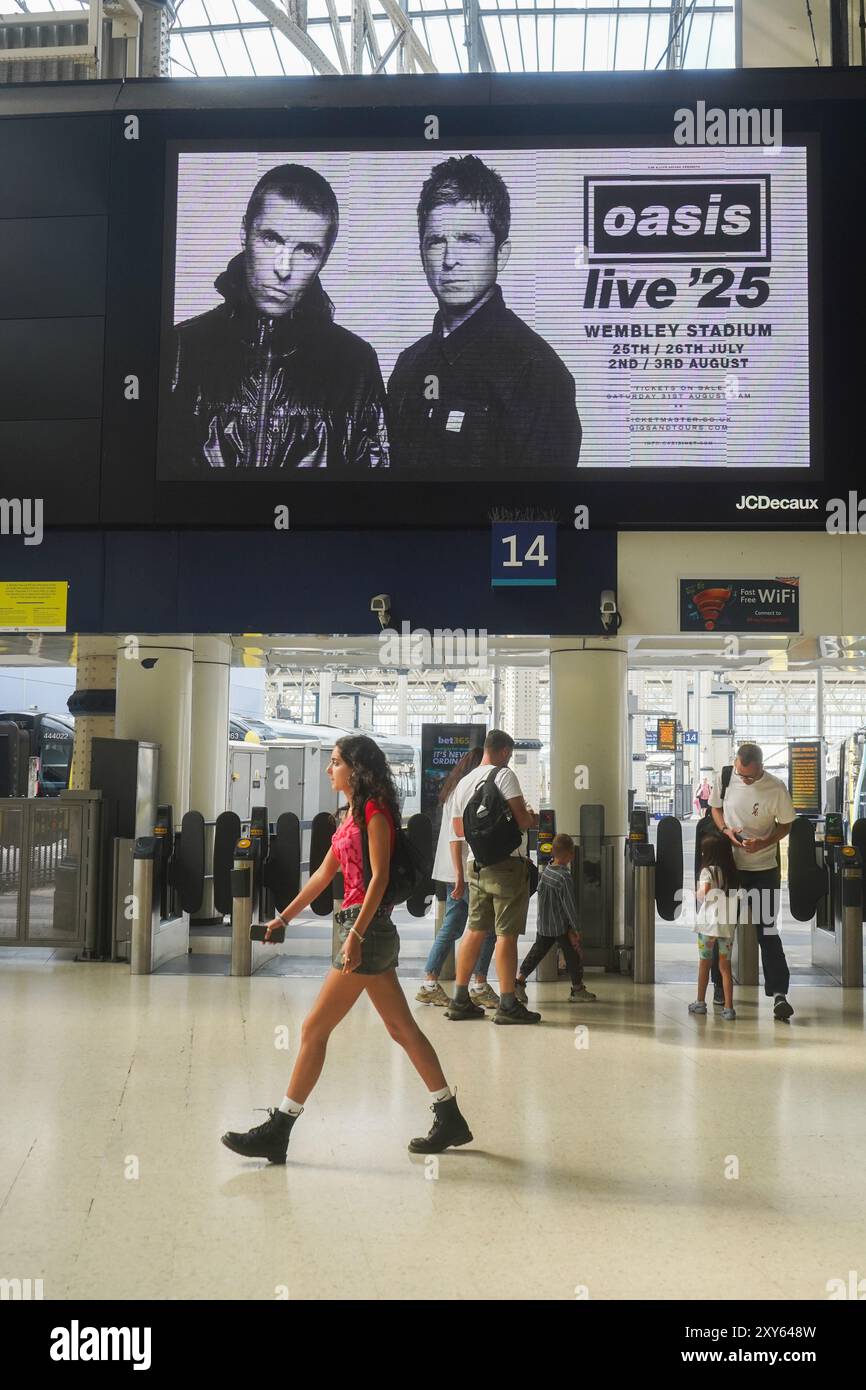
[{"x": 600, "y": 1170}]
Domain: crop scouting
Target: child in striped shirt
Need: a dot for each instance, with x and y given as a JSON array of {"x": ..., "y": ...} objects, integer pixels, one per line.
[{"x": 557, "y": 923}]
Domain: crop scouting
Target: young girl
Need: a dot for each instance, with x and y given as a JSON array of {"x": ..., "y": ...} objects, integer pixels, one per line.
[
  {"x": 367, "y": 960},
  {"x": 716, "y": 918}
]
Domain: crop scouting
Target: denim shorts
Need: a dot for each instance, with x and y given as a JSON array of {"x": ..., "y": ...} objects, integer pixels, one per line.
[{"x": 380, "y": 949}]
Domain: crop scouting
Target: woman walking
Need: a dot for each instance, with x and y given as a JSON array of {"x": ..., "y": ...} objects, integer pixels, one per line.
[
  {"x": 457, "y": 911},
  {"x": 367, "y": 961}
]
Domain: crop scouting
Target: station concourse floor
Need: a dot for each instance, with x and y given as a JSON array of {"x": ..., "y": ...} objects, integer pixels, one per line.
[{"x": 596, "y": 1171}]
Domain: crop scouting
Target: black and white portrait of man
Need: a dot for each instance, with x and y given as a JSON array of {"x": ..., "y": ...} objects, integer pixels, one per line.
[
  {"x": 267, "y": 381},
  {"x": 482, "y": 393}
]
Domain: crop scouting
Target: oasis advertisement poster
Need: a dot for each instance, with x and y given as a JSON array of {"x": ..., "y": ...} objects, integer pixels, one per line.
[
  {"x": 739, "y": 605},
  {"x": 486, "y": 313}
]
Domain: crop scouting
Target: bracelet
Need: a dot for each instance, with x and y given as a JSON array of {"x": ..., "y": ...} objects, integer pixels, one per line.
[
  {"x": 356, "y": 933},
  {"x": 282, "y": 919}
]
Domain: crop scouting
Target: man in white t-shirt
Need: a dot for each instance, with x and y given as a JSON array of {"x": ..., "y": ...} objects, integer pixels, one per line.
[
  {"x": 498, "y": 893},
  {"x": 755, "y": 813}
]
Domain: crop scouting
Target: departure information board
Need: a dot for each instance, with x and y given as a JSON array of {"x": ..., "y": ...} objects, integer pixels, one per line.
[
  {"x": 666, "y": 737},
  {"x": 804, "y": 776}
]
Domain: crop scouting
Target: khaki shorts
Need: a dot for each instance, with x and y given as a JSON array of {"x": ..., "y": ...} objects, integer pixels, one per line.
[{"x": 499, "y": 897}]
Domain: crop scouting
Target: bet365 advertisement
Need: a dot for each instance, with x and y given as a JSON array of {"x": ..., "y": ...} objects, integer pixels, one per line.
[{"x": 515, "y": 313}]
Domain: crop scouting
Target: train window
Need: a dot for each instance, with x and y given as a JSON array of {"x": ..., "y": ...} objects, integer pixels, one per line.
[{"x": 57, "y": 742}]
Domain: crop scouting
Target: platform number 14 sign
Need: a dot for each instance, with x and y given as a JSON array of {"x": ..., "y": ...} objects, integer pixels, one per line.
[{"x": 523, "y": 554}]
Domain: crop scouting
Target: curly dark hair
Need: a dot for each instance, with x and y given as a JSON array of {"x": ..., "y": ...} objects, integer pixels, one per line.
[{"x": 370, "y": 776}]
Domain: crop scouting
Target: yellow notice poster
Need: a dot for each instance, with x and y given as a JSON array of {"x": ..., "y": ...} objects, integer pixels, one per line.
[{"x": 37, "y": 606}]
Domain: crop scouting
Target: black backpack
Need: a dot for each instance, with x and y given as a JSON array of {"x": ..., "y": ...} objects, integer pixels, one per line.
[
  {"x": 489, "y": 828},
  {"x": 726, "y": 782},
  {"x": 410, "y": 868}
]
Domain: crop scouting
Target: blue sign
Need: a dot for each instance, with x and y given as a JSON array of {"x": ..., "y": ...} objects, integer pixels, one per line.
[
  {"x": 523, "y": 554},
  {"x": 690, "y": 736}
]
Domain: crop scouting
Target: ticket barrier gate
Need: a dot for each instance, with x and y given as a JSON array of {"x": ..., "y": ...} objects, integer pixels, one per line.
[
  {"x": 265, "y": 874},
  {"x": 653, "y": 884},
  {"x": 825, "y": 882},
  {"x": 167, "y": 886}
]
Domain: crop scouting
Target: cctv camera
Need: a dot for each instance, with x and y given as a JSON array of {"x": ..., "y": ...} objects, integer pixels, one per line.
[
  {"x": 610, "y": 617},
  {"x": 381, "y": 604}
]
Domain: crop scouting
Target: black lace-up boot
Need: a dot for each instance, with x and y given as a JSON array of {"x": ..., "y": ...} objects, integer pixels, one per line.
[
  {"x": 269, "y": 1140},
  {"x": 450, "y": 1130}
]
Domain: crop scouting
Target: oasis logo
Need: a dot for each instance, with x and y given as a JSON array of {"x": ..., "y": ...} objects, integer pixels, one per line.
[
  {"x": 692, "y": 218},
  {"x": 773, "y": 504}
]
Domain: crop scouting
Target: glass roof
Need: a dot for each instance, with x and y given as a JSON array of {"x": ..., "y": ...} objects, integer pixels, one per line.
[{"x": 232, "y": 38}]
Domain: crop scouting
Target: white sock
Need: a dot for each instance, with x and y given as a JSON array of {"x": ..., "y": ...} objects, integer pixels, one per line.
[
  {"x": 444, "y": 1094},
  {"x": 430, "y": 984},
  {"x": 290, "y": 1107}
]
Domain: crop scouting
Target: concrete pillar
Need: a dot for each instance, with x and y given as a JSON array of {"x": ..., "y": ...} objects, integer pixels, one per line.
[
  {"x": 522, "y": 703},
  {"x": 271, "y": 694},
  {"x": 588, "y": 739},
  {"x": 154, "y": 703},
  {"x": 819, "y": 731},
  {"x": 209, "y": 744},
  {"x": 95, "y": 662},
  {"x": 326, "y": 682},
  {"x": 680, "y": 696},
  {"x": 705, "y": 724},
  {"x": 403, "y": 703},
  {"x": 638, "y": 736},
  {"x": 588, "y": 714}
]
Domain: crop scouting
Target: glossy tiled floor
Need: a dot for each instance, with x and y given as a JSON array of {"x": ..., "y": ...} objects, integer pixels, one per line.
[{"x": 603, "y": 1165}]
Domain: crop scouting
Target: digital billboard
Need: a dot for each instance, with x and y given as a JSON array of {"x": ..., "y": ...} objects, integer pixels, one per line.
[
  {"x": 486, "y": 313},
  {"x": 492, "y": 297}
]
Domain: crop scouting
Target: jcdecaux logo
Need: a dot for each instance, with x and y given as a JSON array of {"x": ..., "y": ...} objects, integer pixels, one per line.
[{"x": 755, "y": 503}]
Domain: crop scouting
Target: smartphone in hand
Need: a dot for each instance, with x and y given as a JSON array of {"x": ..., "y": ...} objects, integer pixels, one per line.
[{"x": 258, "y": 929}]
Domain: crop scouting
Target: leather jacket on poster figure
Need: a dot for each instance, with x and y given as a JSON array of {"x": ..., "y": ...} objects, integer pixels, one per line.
[{"x": 253, "y": 392}]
